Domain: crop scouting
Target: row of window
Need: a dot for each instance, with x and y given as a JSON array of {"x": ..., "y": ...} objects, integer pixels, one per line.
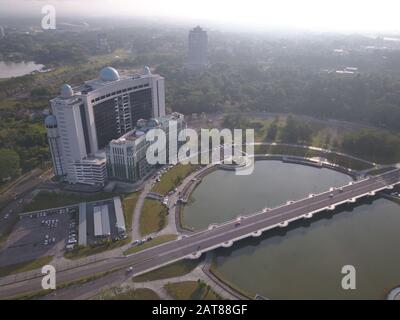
[{"x": 120, "y": 91}]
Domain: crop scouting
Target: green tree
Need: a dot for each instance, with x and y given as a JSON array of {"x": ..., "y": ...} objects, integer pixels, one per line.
[{"x": 9, "y": 164}]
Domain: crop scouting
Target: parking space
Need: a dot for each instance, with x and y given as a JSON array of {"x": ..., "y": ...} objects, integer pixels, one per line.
[{"x": 43, "y": 233}]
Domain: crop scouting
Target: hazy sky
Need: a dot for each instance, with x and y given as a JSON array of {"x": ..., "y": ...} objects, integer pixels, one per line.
[{"x": 320, "y": 15}]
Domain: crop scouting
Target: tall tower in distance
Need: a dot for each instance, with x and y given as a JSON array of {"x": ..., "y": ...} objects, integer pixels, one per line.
[
  {"x": 102, "y": 43},
  {"x": 198, "y": 49}
]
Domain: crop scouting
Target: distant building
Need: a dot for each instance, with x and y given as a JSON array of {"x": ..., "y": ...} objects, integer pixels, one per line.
[
  {"x": 198, "y": 49},
  {"x": 126, "y": 156},
  {"x": 102, "y": 43},
  {"x": 86, "y": 118},
  {"x": 2, "y": 32}
]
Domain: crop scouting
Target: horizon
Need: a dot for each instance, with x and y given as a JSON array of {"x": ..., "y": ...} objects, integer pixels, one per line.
[{"x": 369, "y": 16}]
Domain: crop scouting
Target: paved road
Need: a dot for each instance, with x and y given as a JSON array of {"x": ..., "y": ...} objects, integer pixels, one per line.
[{"x": 208, "y": 239}]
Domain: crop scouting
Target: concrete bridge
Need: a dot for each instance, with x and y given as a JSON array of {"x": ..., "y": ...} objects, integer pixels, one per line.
[{"x": 220, "y": 235}]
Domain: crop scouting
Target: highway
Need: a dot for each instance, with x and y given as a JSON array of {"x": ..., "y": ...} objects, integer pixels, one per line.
[{"x": 217, "y": 236}]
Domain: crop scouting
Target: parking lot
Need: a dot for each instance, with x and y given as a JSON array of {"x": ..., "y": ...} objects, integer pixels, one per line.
[{"x": 43, "y": 233}]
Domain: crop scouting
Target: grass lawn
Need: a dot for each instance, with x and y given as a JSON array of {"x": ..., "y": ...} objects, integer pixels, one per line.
[
  {"x": 129, "y": 204},
  {"x": 173, "y": 178},
  {"x": 173, "y": 270},
  {"x": 151, "y": 243},
  {"x": 50, "y": 199},
  {"x": 81, "y": 252},
  {"x": 191, "y": 290},
  {"x": 25, "y": 266},
  {"x": 153, "y": 217},
  {"x": 132, "y": 294}
]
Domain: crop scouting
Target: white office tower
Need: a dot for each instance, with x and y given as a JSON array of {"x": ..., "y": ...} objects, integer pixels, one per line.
[
  {"x": 198, "y": 49},
  {"x": 88, "y": 117},
  {"x": 2, "y": 32}
]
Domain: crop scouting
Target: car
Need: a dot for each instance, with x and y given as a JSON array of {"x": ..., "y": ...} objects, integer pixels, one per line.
[
  {"x": 150, "y": 238},
  {"x": 331, "y": 195},
  {"x": 238, "y": 222},
  {"x": 340, "y": 190},
  {"x": 72, "y": 241},
  {"x": 129, "y": 270}
]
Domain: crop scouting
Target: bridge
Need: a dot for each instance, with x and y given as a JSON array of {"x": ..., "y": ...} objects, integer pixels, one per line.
[{"x": 219, "y": 235}]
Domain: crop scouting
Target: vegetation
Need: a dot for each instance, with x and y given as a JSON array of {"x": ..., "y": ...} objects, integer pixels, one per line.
[
  {"x": 173, "y": 177},
  {"x": 9, "y": 164},
  {"x": 153, "y": 217},
  {"x": 380, "y": 147},
  {"x": 191, "y": 290},
  {"x": 173, "y": 270},
  {"x": 129, "y": 204},
  {"x": 130, "y": 294},
  {"x": 152, "y": 243},
  {"x": 51, "y": 199},
  {"x": 25, "y": 266},
  {"x": 89, "y": 250}
]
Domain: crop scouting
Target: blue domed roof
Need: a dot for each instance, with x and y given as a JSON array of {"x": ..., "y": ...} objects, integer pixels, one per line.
[
  {"x": 50, "y": 121},
  {"x": 66, "y": 91},
  {"x": 109, "y": 74}
]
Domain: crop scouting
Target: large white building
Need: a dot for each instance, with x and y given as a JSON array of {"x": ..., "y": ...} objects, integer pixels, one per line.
[{"x": 86, "y": 118}]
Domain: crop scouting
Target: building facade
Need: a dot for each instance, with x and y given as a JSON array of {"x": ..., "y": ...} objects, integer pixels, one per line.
[
  {"x": 126, "y": 156},
  {"x": 86, "y": 118},
  {"x": 198, "y": 49}
]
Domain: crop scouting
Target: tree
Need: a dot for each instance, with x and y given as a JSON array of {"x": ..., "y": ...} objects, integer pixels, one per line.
[
  {"x": 9, "y": 164},
  {"x": 272, "y": 131}
]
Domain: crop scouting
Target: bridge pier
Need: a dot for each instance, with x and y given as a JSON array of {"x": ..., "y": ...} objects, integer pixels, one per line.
[
  {"x": 331, "y": 208},
  {"x": 194, "y": 256},
  {"x": 256, "y": 234},
  {"x": 212, "y": 226},
  {"x": 308, "y": 216},
  {"x": 227, "y": 244},
  {"x": 372, "y": 193},
  {"x": 284, "y": 224}
]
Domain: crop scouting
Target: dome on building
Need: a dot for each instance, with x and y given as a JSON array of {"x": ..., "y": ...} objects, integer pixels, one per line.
[
  {"x": 50, "y": 121},
  {"x": 109, "y": 74},
  {"x": 66, "y": 91},
  {"x": 146, "y": 71},
  {"x": 152, "y": 123}
]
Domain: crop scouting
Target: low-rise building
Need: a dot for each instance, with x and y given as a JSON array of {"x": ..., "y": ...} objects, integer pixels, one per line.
[{"x": 126, "y": 156}]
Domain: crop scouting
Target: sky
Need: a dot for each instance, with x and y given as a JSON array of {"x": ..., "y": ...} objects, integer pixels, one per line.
[{"x": 316, "y": 15}]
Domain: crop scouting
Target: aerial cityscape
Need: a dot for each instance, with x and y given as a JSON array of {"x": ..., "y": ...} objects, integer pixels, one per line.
[{"x": 195, "y": 153}]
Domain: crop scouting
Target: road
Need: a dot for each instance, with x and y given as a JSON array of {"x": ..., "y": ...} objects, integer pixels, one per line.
[
  {"x": 211, "y": 238},
  {"x": 19, "y": 192}
]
